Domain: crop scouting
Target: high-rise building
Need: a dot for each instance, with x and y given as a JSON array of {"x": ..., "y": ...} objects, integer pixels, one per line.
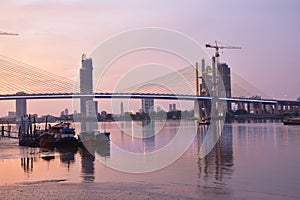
[
  {"x": 86, "y": 82},
  {"x": 224, "y": 71},
  {"x": 147, "y": 105},
  {"x": 11, "y": 114},
  {"x": 21, "y": 106}
]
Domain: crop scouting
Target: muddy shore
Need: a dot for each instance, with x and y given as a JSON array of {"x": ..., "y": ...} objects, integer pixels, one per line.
[{"x": 60, "y": 189}]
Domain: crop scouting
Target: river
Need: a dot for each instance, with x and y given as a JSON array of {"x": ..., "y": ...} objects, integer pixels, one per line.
[{"x": 261, "y": 159}]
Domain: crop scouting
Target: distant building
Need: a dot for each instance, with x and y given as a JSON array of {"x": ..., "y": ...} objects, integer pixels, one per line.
[
  {"x": 147, "y": 105},
  {"x": 298, "y": 98},
  {"x": 66, "y": 112},
  {"x": 11, "y": 114},
  {"x": 86, "y": 82},
  {"x": 172, "y": 107},
  {"x": 21, "y": 106}
]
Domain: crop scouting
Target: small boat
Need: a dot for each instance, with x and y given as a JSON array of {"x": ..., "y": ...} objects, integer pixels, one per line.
[
  {"x": 64, "y": 135},
  {"x": 291, "y": 121}
]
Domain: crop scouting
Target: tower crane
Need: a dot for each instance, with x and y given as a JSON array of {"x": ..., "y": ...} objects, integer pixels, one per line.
[
  {"x": 217, "y": 48},
  {"x": 6, "y": 33}
]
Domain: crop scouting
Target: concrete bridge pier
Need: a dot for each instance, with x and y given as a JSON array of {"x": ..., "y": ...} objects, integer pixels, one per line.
[
  {"x": 241, "y": 106},
  {"x": 248, "y": 108},
  {"x": 264, "y": 109}
]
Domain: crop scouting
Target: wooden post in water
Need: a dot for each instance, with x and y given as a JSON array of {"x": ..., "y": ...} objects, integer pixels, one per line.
[
  {"x": 2, "y": 130},
  {"x": 8, "y": 130}
]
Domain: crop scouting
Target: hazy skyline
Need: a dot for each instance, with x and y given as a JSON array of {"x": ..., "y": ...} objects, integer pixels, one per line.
[{"x": 53, "y": 35}]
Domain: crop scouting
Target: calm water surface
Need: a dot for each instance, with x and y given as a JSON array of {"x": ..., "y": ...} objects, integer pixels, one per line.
[{"x": 260, "y": 158}]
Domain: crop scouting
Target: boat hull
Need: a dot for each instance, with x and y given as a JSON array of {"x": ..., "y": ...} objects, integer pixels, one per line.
[
  {"x": 291, "y": 121},
  {"x": 47, "y": 140},
  {"x": 66, "y": 142}
]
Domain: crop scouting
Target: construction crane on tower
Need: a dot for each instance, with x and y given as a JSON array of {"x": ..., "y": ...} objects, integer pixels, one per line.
[
  {"x": 6, "y": 33},
  {"x": 217, "y": 47}
]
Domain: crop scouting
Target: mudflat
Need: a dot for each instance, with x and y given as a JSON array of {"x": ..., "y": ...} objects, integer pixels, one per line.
[{"x": 59, "y": 189}]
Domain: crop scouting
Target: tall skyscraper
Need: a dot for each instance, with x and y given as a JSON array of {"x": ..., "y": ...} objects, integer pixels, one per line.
[
  {"x": 21, "y": 106},
  {"x": 224, "y": 71},
  {"x": 86, "y": 82},
  {"x": 147, "y": 105}
]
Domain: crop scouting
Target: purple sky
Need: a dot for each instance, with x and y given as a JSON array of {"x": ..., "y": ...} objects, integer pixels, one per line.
[{"x": 54, "y": 34}]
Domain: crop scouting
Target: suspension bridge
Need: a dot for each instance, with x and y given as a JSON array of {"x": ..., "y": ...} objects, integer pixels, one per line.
[{"x": 22, "y": 81}]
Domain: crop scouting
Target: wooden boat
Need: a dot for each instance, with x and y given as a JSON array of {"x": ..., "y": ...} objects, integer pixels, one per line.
[{"x": 291, "y": 121}]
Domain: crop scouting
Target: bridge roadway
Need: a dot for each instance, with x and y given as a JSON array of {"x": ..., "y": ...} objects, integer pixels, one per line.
[{"x": 142, "y": 96}]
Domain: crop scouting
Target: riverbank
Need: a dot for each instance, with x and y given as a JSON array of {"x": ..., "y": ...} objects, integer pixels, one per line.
[{"x": 59, "y": 189}]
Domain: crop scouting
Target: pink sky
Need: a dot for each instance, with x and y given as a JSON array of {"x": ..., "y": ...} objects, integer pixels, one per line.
[{"x": 54, "y": 34}]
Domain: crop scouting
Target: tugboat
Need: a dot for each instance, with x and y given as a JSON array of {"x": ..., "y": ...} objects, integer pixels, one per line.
[{"x": 64, "y": 135}]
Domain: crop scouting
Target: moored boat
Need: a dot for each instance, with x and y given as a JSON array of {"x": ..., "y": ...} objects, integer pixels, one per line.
[
  {"x": 291, "y": 121},
  {"x": 64, "y": 135}
]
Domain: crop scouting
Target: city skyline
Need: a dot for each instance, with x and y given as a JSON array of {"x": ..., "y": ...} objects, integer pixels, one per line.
[{"x": 267, "y": 32}]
